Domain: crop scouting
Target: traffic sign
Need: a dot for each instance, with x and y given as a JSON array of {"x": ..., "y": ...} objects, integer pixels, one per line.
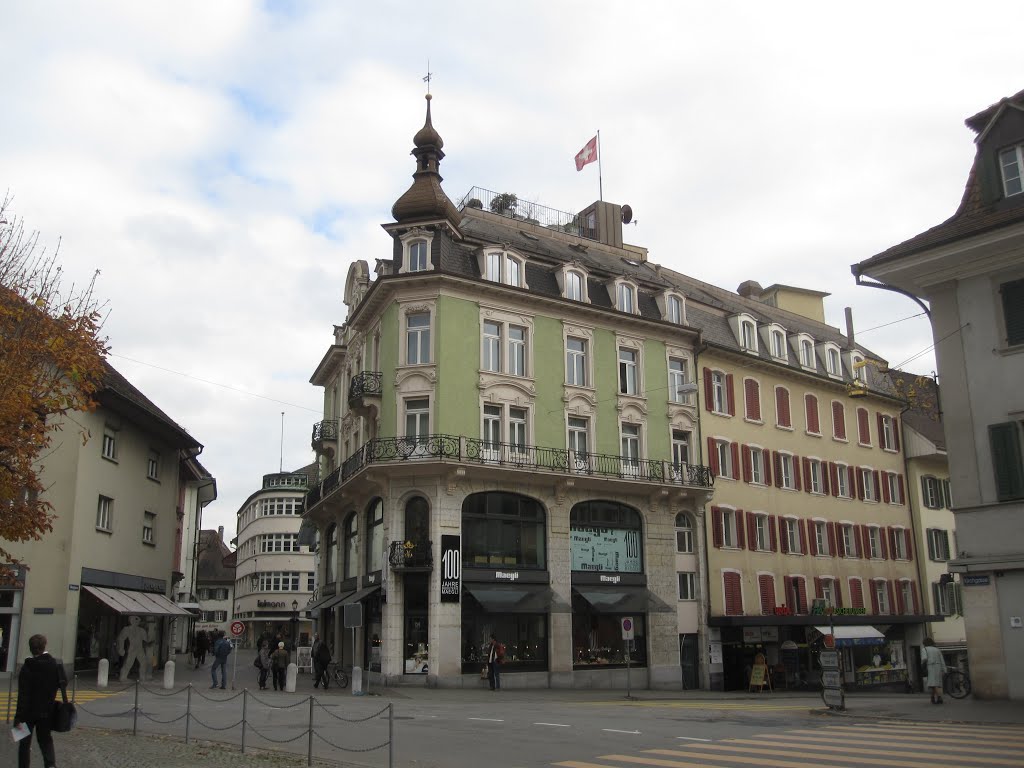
[
  {"x": 829, "y": 641},
  {"x": 834, "y": 698},
  {"x": 830, "y": 678},
  {"x": 829, "y": 659},
  {"x": 627, "y": 627},
  {"x": 237, "y": 628}
]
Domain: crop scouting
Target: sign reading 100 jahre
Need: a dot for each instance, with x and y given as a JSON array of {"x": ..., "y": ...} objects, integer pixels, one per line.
[
  {"x": 605, "y": 549},
  {"x": 451, "y": 568}
]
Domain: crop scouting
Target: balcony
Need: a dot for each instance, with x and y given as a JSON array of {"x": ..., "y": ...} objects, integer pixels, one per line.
[
  {"x": 325, "y": 436},
  {"x": 529, "y": 459},
  {"x": 364, "y": 393},
  {"x": 410, "y": 556}
]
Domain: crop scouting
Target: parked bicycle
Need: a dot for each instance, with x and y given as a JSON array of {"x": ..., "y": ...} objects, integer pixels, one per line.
[
  {"x": 337, "y": 675},
  {"x": 956, "y": 683}
]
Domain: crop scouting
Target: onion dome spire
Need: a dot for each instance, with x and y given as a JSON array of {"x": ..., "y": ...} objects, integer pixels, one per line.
[{"x": 425, "y": 199}]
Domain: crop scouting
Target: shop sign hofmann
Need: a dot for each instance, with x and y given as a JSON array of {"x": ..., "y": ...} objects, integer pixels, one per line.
[{"x": 270, "y": 604}]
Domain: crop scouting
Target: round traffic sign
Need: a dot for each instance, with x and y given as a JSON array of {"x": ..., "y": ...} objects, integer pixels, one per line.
[{"x": 237, "y": 628}]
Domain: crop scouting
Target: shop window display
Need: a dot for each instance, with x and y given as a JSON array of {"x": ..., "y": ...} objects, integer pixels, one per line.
[
  {"x": 525, "y": 637},
  {"x": 503, "y": 529},
  {"x": 597, "y": 639},
  {"x": 606, "y": 536}
]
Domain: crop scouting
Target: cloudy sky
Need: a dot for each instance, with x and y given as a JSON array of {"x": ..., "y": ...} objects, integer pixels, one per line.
[{"x": 222, "y": 163}]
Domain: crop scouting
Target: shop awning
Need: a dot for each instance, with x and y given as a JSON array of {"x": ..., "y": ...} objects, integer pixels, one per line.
[
  {"x": 329, "y": 602},
  {"x": 622, "y": 599},
  {"x": 856, "y": 635},
  {"x": 131, "y": 602},
  {"x": 360, "y": 595},
  {"x": 191, "y": 607},
  {"x": 517, "y": 598}
]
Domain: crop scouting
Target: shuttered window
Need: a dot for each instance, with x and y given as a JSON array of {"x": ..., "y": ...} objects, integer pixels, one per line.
[
  {"x": 811, "y": 411},
  {"x": 863, "y": 427},
  {"x": 856, "y": 593},
  {"x": 752, "y": 399},
  {"x": 783, "y": 418},
  {"x": 766, "y": 587},
  {"x": 733, "y": 593},
  {"x": 1004, "y": 440},
  {"x": 838, "y": 420},
  {"x": 1013, "y": 311}
]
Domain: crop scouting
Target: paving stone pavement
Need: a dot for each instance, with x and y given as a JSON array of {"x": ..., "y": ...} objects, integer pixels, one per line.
[{"x": 99, "y": 748}]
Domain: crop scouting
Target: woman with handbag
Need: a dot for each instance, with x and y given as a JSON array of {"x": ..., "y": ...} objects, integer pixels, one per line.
[{"x": 40, "y": 678}]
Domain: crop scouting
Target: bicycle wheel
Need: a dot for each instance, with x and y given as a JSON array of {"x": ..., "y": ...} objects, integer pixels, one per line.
[
  {"x": 956, "y": 684},
  {"x": 341, "y": 678}
]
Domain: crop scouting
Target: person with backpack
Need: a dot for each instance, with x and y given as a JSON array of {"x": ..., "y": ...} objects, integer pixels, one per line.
[
  {"x": 221, "y": 650},
  {"x": 495, "y": 656}
]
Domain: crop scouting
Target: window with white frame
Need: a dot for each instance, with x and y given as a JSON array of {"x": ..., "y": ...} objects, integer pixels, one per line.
[
  {"x": 835, "y": 366},
  {"x": 517, "y": 436},
  {"x": 677, "y": 379},
  {"x": 778, "y": 345},
  {"x": 719, "y": 400},
  {"x": 762, "y": 534},
  {"x": 786, "y": 477},
  {"x": 279, "y": 581},
  {"x": 940, "y": 598},
  {"x": 491, "y": 357},
  {"x": 153, "y": 466},
  {"x": 674, "y": 309},
  {"x": 874, "y": 542},
  {"x": 882, "y": 595},
  {"x": 860, "y": 373},
  {"x": 867, "y": 479},
  {"x": 729, "y": 528},
  {"x": 907, "y": 593},
  {"x": 1011, "y": 161},
  {"x": 680, "y": 450},
  {"x": 279, "y": 542},
  {"x": 807, "y": 353},
  {"x": 756, "y": 465},
  {"x": 280, "y": 505},
  {"x": 516, "y": 350},
  {"x": 630, "y": 445},
  {"x": 813, "y": 479},
  {"x": 417, "y": 348},
  {"x": 842, "y": 478},
  {"x": 938, "y": 544},
  {"x": 105, "y": 514},
  {"x": 417, "y": 418},
  {"x": 892, "y": 482},
  {"x": 687, "y": 585},
  {"x": 793, "y": 538},
  {"x": 629, "y": 382},
  {"x": 888, "y": 436},
  {"x": 492, "y": 428},
  {"x": 723, "y": 456},
  {"x": 625, "y": 298},
  {"x": 504, "y": 267},
  {"x": 684, "y": 534},
  {"x": 931, "y": 492},
  {"x": 821, "y": 537},
  {"x": 148, "y": 523},
  {"x": 748, "y": 336},
  {"x": 504, "y": 348},
  {"x": 828, "y": 590},
  {"x": 850, "y": 548},
  {"x": 574, "y": 285},
  {"x": 579, "y": 429},
  {"x": 417, "y": 255},
  {"x": 898, "y": 542},
  {"x": 576, "y": 362},
  {"x": 109, "y": 446}
]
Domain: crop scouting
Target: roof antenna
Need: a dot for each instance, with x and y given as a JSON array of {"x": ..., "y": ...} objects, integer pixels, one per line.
[{"x": 280, "y": 466}]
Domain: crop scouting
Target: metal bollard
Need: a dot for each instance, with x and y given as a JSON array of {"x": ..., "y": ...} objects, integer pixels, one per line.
[
  {"x": 10, "y": 689},
  {"x": 245, "y": 699},
  {"x": 74, "y": 687},
  {"x": 391, "y": 735},
  {"x": 188, "y": 711},
  {"x": 309, "y": 753},
  {"x": 102, "y": 673},
  {"x": 169, "y": 675},
  {"x": 290, "y": 678},
  {"x": 135, "y": 711}
]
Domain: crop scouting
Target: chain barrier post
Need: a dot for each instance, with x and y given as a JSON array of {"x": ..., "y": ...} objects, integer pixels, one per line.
[
  {"x": 10, "y": 690},
  {"x": 135, "y": 709},
  {"x": 391, "y": 735},
  {"x": 74, "y": 687},
  {"x": 188, "y": 711},
  {"x": 245, "y": 698},
  {"x": 309, "y": 750}
]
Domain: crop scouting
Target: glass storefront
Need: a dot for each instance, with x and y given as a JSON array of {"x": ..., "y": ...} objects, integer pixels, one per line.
[
  {"x": 597, "y": 638},
  {"x": 525, "y": 637}
]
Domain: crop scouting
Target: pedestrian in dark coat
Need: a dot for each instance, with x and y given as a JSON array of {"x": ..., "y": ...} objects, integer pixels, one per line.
[
  {"x": 321, "y": 659},
  {"x": 279, "y": 661},
  {"x": 38, "y": 682},
  {"x": 201, "y": 647},
  {"x": 265, "y": 664}
]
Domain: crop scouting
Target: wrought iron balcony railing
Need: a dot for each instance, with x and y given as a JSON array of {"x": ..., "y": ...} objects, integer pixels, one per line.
[
  {"x": 365, "y": 383},
  {"x": 325, "y": 430},
  {"x": 530, "y": 458},
  {"x": 411, "y": 556}
]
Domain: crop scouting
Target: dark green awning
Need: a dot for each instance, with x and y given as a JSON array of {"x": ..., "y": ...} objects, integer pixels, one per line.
[
  {"x": 516, "y": 598},
  {"x": 622, "y": 599}
]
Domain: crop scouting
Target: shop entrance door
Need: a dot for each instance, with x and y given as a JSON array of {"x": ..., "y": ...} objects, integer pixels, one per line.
[
  {"x": 417, "y": 642},
  {"x": 689, "y": 661}
]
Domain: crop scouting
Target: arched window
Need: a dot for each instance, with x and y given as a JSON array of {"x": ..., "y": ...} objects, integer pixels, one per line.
[
  {"x": 674, "y": 310},
  {"x": 351, "y": 547},
  {"x": 331, "y": 554},
  {"x": 504, "y": 529},
  {"x": 417, "y": 520},
  {"x": 606, "y": 536},
  {"x": 574, "y": 286},
  {"x": 374, "y": 535},
  {"x": 684, "y": 534}
]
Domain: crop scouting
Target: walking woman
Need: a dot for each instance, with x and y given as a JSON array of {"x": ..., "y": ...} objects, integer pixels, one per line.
[{"x": 936, "y": 666}]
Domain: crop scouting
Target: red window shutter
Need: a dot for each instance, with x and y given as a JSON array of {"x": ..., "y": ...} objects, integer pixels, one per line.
[
  {"x": 787, "y": 593},
  {"x": 807, "y": 474},
  {"x": 896, "y": 442},
  {"x": 766, "y": 586},
  {"x": 777, "y": 461},
  {"x": 883, "y": 538},
  {"x": 913, "y": 594},
  {"x": 741, "y": 539},
  {"x": 766, "y": 462},
  {"x": 817, "y": 588},
  {"x": 826, "y": 478},
  {"x": 752, "y": 398},
  {"x": 874, "y": 596},
  {"x": 838, "y": 588},
  {"x": 751, "y": 531},
  {"x": 801, "y": 594},
  {"x": 838, "y": 420},
  {"x": 772, "y": 537},
  {"x": 832, "y": 540},
  {"x": 730, "y": 395},
  {"x": 907, "y": 544},
  {"x": 782, "y": 415},
  {"x": 881, "y": 431},
  {"x": 733, "y": 595},
  {"x": 747, "y": 469},
  {"x": 716, "y": 527},
  {"x": 709, "y": 393},
  {"x": 811, "y": 407},
  {"x": 713, "y": 455},
  {"x": 796, "y": 472},
  {"x": 889, "y": 589},
  {"x": 735, "y": 448},
  {"x": 783, "y": 536},
  {"x": 877, "y": 479},
  {"x": 833, "y": 479},
  {"x": 863, "y": 427},
  {"x": 860, "y": 533},
  {"x": 804, "y": 538},
  {"x": 885, "y": 488},
  {"x": 901, "y": 607},
  {"x": 860, "y": 484},
  {"x": 812, "y": 539},
  {"x": 856, "y": 593},
  {"x": 903, "y": 489},
  {"x": 851, "y": 474}
]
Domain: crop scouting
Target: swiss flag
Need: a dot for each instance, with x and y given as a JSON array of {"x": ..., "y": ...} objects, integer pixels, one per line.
[{"x": 587, "y": 155}]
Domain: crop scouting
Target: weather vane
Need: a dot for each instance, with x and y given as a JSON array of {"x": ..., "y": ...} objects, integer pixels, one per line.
[{"x": 428, "y": 77}]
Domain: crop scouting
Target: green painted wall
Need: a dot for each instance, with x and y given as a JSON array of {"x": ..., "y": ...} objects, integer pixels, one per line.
[
  {"x": 457, "y": 347},
  {"x": 656, "y": 385},
  {"x": 389, "y": 340},
  {"x": 606, "y": 381},
  {"x": 549, "y": 375}
]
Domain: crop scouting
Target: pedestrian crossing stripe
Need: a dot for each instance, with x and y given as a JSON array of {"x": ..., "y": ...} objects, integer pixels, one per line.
[{"x": 720, "y": 705}]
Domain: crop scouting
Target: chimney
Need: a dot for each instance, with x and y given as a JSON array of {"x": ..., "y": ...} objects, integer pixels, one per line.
[
  {"x": 220, "y": 532},
  {"x": 750, "y": 289},
  {"x": 849, "y": 327},
  {"x": 602, "y": 221}
]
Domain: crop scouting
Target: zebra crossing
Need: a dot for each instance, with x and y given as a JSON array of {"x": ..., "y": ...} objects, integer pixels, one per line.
[{"x": 881, "y": 745}]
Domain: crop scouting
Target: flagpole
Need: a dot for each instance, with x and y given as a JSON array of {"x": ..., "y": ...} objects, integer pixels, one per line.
[{"x": 600, "y": 183}]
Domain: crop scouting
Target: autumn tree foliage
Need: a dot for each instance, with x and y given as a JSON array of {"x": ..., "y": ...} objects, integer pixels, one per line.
[{"x": 51, "y": 364}]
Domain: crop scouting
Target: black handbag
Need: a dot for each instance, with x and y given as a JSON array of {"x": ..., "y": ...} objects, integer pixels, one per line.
[{"x": 64, "y": 715}]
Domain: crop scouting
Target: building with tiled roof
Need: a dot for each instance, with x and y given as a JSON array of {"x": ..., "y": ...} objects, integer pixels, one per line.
[{"x": 970, "y": 271}]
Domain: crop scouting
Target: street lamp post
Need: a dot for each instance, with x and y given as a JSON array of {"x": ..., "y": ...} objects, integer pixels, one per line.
[{"x": 295, "y": 624}]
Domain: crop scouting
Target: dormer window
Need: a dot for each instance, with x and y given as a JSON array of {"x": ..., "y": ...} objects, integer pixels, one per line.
[
  {"x": 674, "y": 309},
  {"x": 572, "y": 282},
  {"x": 860, "y": 372},
  {"x": 833, "y": 360},
  {"x": 417, "y": 255},
  {"x": 504, "y": 267},
  {"x": 416, "y": 251},
  {"x": 749, "y": 336},
  {"x": 778, "y": 345},
  {"x": 625, "y": 298},
  {"x": 1011, "y": 162},
  {"x": 803, "y": 346}
]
